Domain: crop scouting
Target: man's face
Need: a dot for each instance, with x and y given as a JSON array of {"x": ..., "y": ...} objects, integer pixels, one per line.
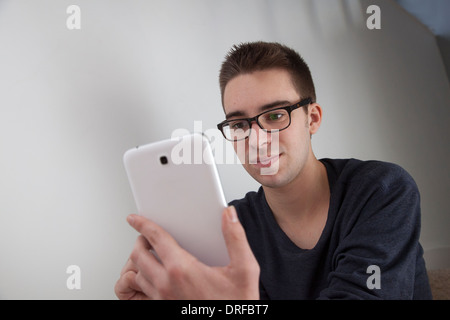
[{"x": 273, "y": 160}]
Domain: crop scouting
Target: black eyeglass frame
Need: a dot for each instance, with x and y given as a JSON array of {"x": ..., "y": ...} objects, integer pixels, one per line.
[{"x": 289, "y": 109}]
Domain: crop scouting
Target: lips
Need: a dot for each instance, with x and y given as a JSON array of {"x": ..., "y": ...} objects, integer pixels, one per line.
[{"x": 266, "y": 161}]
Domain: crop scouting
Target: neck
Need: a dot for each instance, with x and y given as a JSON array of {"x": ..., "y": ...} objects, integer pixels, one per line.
[{"x": 303, "y": 198}]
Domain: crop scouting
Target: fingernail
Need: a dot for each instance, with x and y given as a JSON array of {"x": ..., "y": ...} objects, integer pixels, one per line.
[
  {"x": 130, "y": 219},
  {"x": 232, "y": 214}
]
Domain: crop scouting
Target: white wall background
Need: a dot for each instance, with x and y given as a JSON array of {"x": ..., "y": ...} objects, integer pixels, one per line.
[{"x": 73, "y": 101}]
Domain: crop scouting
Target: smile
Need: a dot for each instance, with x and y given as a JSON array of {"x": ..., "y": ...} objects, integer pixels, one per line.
[{"x": 266, "y": 162}]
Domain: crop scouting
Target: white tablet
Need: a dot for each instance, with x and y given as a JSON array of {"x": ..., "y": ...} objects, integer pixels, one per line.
[{"x": 175, "y": 183}]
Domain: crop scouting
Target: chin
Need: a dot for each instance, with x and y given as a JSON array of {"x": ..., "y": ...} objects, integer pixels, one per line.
[
  {"x": 272, "y": 183},
  {"x": 275, "y": 180}
]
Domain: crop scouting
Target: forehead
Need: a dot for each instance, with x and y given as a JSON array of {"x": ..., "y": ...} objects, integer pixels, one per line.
[{"x": 248, "y": 92}]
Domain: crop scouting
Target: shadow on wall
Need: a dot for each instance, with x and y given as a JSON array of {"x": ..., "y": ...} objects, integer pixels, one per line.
[{"x": 434, "y": 15}]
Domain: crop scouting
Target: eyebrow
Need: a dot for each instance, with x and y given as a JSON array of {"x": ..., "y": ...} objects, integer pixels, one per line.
[{"x": 261, "y": 109}]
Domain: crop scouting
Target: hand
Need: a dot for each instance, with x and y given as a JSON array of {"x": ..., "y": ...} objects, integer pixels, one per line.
[{"x": 179, "y": 275}]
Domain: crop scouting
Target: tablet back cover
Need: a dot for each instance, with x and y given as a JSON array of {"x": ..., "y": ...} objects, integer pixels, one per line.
[{"x": 184, "y": 195}]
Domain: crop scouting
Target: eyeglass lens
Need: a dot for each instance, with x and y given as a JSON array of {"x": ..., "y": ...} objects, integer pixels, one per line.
[{"x": 269, "y": 121}]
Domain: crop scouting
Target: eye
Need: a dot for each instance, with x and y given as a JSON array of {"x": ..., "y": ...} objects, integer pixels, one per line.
[
  {"x": 236, "y": 125},
  {"x": 275, "y": 116}
]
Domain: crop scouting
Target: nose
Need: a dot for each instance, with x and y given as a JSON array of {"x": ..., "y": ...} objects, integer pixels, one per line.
[{"x": 258, "y": 137}]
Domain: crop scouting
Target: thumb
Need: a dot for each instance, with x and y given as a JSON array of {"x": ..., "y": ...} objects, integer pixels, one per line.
[{"x": 235, "y": 239}]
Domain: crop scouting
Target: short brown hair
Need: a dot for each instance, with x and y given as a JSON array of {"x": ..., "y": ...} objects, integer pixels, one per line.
[{"x": 258, "y": 56}]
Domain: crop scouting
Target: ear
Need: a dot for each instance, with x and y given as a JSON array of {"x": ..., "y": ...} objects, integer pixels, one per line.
[{"x": 314, "y": 118}]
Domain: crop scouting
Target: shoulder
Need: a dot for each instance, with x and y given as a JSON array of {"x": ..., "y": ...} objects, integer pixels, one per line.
[
  {"x": 371, "y": 174},
  {"x": 248, "y": 207},
  {"x": 379, "y": 194},
  {"x": 246, "y": 202}
]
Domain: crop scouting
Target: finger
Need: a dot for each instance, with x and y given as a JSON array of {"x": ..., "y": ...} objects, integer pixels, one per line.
[
  {"x": 145, "y": 261},
  {"x": 160, "y": 240},
  {"x": 129, "y": 266},
  {"x": 126, "y": 287},
  {"x": 235, "y": 238},
  {"x": 146, "y": 287}
]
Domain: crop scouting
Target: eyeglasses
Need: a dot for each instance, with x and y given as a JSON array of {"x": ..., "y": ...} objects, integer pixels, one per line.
[{"x": 273, "y": 120}]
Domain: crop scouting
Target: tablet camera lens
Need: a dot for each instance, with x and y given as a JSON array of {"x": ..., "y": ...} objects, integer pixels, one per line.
[{"x": 163, "y": 160}]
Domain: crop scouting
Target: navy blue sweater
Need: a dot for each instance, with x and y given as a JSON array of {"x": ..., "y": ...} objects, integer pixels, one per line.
[{"x": 373, "y": 220}]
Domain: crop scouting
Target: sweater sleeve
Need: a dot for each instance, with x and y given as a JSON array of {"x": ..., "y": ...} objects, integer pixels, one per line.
[{"x": 379, "y": 238}]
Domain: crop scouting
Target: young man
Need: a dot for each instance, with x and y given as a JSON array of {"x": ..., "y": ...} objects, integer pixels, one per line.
[{"x": 316, "y": 229}]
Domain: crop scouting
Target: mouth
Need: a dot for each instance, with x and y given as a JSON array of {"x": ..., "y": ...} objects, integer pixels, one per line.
[{"x": 266, "y": 162}]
